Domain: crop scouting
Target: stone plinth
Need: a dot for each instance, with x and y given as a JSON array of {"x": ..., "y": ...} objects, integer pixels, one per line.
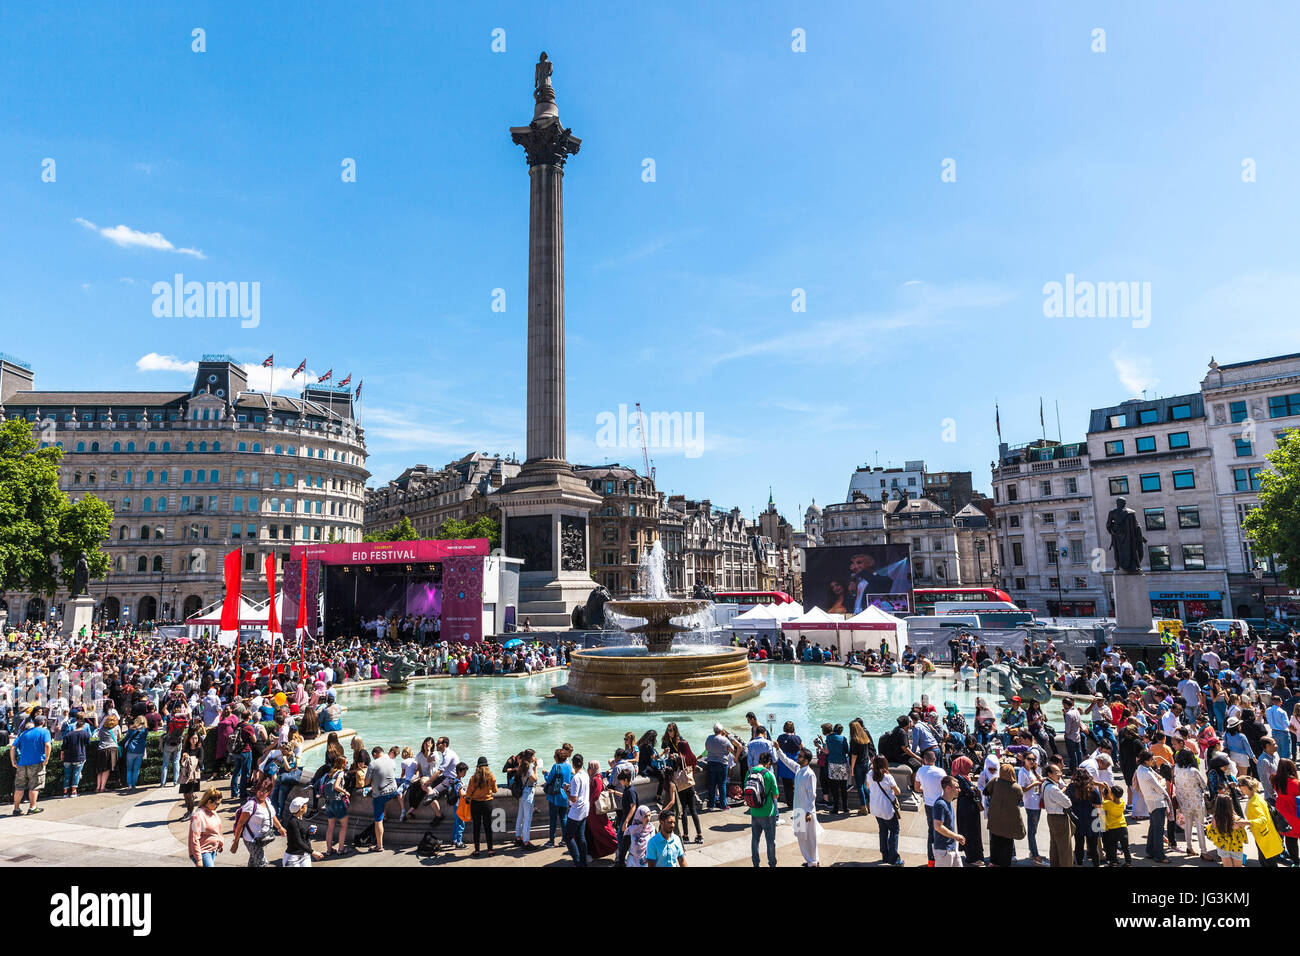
[
  {"x": 78, "y": 613},
  {"x": 1133, "y": 610},
  {"x": 617, "y": 679}
]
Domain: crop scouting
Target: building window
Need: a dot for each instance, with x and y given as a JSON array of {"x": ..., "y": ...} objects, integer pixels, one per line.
[
  {"x": 1184, "y": 480},
  {"x": 1194, "y": 557},
  {"x": 1280, "y": 406},
  {"x": 1149, "y": 483},
  {"x": 1242, "y": 447},
  {"x": 1148, "y": 416},
  {"x": 1051, "y": 551},
  {"x": 1071, "y": 486},
  {"x": 1159, "y": 557},
  {"x": 1189, "y": 516},
  {"x": 1049, "y": 517},
  {"x": 1180, "y": 412},
  {"x": 1246, "y": 479},
  {"x": 1020, "y": 584},
  {"x": 1114, "y": 448},
  {"x": 1145, "y": 444},
  {"x": 1017, "y": 554},
  {"x": 1179, "y": 440},
  {"x": 1117, "y": 421},
  {"x": 1012, "y": 494},
  {"x": 1237, "y": 412},
  {"x": 1155, "y": 518},
  {"x": 1013, "y": 521},
  {"x": 1045, "y": 488},
  {"x": 1119, "y": 486}
]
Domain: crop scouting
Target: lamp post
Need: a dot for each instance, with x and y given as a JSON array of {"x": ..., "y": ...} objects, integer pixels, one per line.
[
  {"x": 1258, "y": 572},
  {"x": 175, "y": 592}
]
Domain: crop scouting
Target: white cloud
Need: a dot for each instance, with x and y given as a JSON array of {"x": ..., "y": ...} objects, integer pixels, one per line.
[
  {"x": 153, "y": 362},
  {"x": 402, "y": 430},
  {"x": 862, "y": 337},
  {"x": 127, "y": 237},
  {"x": 1134, "y": 373}
]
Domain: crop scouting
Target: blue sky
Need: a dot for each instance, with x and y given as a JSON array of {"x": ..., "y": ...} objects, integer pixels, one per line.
[{"x": 774, "y": 171}]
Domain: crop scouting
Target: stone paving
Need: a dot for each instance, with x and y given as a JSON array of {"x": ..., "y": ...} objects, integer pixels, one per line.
[{"x": 144, "y": 829}]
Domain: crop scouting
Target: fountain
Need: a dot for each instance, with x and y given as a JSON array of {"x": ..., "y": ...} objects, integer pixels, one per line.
[{"x": 656, "y": 675}]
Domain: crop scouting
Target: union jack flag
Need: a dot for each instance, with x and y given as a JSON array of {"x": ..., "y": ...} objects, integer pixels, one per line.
[
  {"x": 326, "y": 376},
  {"x": 269, "y": 362},
  {"x": 346, "y": 381},
  {"x": 302, "y": 367}
]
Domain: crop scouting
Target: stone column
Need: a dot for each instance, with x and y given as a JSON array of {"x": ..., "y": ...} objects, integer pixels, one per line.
[{"x": 546, "y": 313}]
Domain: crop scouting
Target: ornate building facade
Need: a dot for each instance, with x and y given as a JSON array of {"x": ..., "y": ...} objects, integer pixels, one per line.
[
  {"x": 623, "y": 526},
  {"x": 462, "y": 489},
  {"x": 191, "y": 475}
]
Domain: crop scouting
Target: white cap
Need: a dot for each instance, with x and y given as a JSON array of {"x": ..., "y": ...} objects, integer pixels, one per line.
[{"x": 297, "y": 803}]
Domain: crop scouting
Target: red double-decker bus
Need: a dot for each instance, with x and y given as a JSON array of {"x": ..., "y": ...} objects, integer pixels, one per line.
[
  {"x": 749, "y": 599},
  {"x": 926, "y": 598}
]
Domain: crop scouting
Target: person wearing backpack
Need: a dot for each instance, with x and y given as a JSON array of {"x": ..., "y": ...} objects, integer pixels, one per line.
[
  {"x": 760, "y": 797},
  {"x": 239, "y": 751},
  {"x": 557, "y": 795},
  {"x": 178, "y": 721}
]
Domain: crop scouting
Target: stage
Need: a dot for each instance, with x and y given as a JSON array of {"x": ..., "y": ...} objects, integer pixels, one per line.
[{"x": 453, "y": 590}]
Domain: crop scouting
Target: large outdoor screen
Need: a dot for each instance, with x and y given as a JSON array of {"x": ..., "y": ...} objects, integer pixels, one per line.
[{"x": 850, "y": 578}]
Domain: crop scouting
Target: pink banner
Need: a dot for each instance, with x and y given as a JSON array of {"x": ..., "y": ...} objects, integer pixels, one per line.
[
  {"x": 462, "y": 600},
  {"x": 390, "y": 552}
]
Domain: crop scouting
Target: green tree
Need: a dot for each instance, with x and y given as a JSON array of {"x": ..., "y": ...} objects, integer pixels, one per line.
[
  {"x": 402, "y": 531},
  {"x": 484, "y": 526},
  {"x": 1275, "y": 525},
  {"x": 38, "y": 523}
]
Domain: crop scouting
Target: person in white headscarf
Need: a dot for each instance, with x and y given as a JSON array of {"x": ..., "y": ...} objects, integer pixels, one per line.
[{"x": 804, "y": 810}]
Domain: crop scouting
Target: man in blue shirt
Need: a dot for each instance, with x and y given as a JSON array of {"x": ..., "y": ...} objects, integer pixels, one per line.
[
  {"x": 946, "y": 837},
  {"x": 29, "y": 754},
  {"x": 665, "y": 847}
]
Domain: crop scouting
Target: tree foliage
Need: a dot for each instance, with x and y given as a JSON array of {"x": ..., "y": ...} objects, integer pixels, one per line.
[
  {"x": 402, "y": 531},
  {"x": 39, "y": 525},
  {"x": 484, "y": 526},
  {"x": 1275, "y": 525}
]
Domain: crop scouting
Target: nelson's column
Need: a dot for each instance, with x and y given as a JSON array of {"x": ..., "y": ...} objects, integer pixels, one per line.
[{"x": 544, "y": 509}]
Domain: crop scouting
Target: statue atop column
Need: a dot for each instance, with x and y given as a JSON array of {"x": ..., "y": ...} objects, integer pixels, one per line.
[
  {"x": 1126, "y": 539},
  {"x": 545, "y": 139},
  {"x": 542, "y": 89}
]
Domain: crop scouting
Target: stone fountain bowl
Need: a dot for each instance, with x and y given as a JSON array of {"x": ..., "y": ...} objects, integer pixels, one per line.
[{"x": 657, "y": 613}]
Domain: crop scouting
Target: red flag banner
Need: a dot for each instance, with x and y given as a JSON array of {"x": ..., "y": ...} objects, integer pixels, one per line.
[
  {"x": 272, "y": 619},
  {"x": 230, "y": 607}
]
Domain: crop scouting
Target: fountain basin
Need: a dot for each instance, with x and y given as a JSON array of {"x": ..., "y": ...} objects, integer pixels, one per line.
[
  {"x": 635, "y": 679},
  {"x": 658, "y": 629}
]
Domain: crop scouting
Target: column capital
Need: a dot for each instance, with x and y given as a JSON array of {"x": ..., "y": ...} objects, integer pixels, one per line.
[{"x": 546, "y": 142}]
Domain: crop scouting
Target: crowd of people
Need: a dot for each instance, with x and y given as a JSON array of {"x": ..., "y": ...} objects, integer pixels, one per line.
[{"x": 1201, "y": 747}]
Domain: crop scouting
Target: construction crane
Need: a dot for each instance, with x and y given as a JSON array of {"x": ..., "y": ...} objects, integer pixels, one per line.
[{"x": 645, "y": 454}]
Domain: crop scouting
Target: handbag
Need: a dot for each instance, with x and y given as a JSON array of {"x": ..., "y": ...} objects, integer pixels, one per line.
[
  {"x": 607, "y": 802},
  {"x": 837, "y": 771}
]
